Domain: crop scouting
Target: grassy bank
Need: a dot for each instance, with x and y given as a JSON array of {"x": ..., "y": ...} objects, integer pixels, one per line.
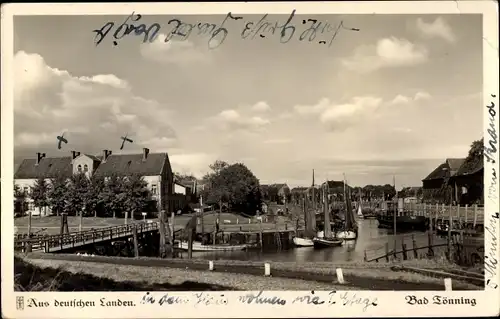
[
  {"x": 357, "y": 275},
  {"x": 58, "y": 275}
]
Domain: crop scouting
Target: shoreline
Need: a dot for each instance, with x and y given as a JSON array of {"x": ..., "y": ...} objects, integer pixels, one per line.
[{"x": 366, "y": 276}]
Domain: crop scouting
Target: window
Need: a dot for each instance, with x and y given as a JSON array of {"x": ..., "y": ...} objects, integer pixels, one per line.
[
  {"x": 85, "y": 168},
  {"x": 79, "y": 168},
  {"x": 31, "y": 206},
  {"x": 154, "y": 189},
  {"x": 26, "y": 190}
]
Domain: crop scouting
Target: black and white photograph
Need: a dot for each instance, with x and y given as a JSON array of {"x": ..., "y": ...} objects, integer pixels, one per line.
[{"x": 249, "y": 152}]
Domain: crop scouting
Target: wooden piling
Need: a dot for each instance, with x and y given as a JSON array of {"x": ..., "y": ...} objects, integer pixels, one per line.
[
  {"x": 387, "y": 252},
  {"x": 449, "y": 233},
  {"x": 366, "y": 258},
  {"x": 261, "y": 232},
  {"x": 136, "y": 241},
  {"x": 190, "y": 243},
  {"x": 414, "y": 243},
  {"x": 430, "y": 242},
  {"x": 475, "y": 215},
  {"x": 403, "y": 247},
  {"x": 466, "y": 220},
  {"x": 163, "y": 248},
  {"x": 29, "y": 224}
]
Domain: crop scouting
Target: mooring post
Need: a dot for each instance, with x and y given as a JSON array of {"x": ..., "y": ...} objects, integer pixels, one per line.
[
  {"x": 466, "y": 220},
  {"x": 126, "y": 218},
  {"x": 29, "y": 224},
  {"x": 475, "y": 215},
  {"x": 447, "y": 284},
  {"x": 162, "y": 230},
  {"x": 366, "y": 258},
  {"x": 190, "y": 243},
  {"x": 403, "y": 247},
  {"x": 261, "y": 232},
  {"x": 449, "y": 234},
  {"x": 340, "y": 276},
  {"x": 136, "y": 241},
  {"x": 414, "y": 243},
  {"x": 387, "y": 252},
  {"x": 267, "y": 269}
]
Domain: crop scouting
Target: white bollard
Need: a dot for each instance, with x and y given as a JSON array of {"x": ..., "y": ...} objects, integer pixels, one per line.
[
  {"x": 267, "y": 269},
  {"x": 237, "y": 221},
  {"x": 340, "y": 275},
  {"x": 210, "y": 265},
  {"x": 249, "y": 221},
  {"x": 447, "y": 284}
]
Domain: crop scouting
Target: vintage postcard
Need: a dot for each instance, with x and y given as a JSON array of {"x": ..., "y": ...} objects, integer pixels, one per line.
[{"x": 308, "y": 159}]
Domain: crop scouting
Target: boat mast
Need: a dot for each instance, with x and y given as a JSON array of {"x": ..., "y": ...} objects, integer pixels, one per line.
[{"x": 328, "y": 227}]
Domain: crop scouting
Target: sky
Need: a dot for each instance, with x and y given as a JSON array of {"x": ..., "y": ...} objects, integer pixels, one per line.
[{"x": 395, "y": 98}]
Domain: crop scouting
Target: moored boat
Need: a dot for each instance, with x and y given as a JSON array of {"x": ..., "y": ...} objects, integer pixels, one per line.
[
  {"x": 346, "y": 235},
  {"x": 198, "y": 246},
  {"x": 302, "y": 242},
  {"x": 326, "y": 242}
]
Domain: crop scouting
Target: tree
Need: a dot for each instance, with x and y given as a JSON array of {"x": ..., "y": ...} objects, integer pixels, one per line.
[
  {"x": 113, "y": 195},
  {"x": 40, "y": 192},
  {"x": 76, "y": 199},
  {"x": 20, "y": 200},
  {"x": 93, "y": 196},
  {"x": 234, "y": 184},
  {"x": 58, "y": 193},
  {"x": 137, "y": 194}
]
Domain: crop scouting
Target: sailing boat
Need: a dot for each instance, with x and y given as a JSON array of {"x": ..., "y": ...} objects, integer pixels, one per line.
[
  {"x": 328, "y": 240},
  {"x": 350, "y": 231},
  {"x": 304, "y": 241},
  {"x": 360, "y": 210}
]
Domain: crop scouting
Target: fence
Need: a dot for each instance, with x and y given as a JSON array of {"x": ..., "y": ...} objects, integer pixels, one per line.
[{"x": 75, "y": 239}]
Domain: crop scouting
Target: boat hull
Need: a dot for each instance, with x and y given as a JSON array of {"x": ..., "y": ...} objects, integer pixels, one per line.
[
  {"x": 302, "y": 242},
  {"x": 197, "y": 246},
  {"x": 346, "y": 235},
  {"x": 325, "y": 243}
]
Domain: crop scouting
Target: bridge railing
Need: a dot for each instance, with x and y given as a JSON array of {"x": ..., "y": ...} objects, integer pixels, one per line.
[{"x": 78, "y": 238}]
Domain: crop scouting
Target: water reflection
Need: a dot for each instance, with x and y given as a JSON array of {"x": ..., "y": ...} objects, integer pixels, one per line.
[{"x": 370, "y": 237}]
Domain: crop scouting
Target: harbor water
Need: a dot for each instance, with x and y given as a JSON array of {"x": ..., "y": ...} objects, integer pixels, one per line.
[{"x": 370, "y": 238}]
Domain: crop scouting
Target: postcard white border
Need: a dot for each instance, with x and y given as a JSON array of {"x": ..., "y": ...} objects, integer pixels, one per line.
[{"x": 388, "y": 303}]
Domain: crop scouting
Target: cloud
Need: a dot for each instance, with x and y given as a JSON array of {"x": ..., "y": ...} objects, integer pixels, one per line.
[
  {"x": 261, "y": 107},
  {"x": 403, "y": 99},
  {"x": 174, "y": 51},
  {"x": 337, "y": 117},
  {"x": 387, "y": 53},
  {"x": 93, "y": 111},
  {"x": 232, "y": 120},
  {"x": 192, "y": 163},
  {"x": 437, "y": 29}
]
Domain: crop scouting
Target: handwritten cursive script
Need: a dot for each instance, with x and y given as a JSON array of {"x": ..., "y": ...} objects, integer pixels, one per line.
[
  {"x": 149, "y": 33},
  {"x": 260, "y": 298},
  {"x": 312, "y": 30}
]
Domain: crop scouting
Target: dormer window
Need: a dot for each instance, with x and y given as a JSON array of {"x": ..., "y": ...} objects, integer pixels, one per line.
[
  {"x": 85, "y": 168},
  {"x": 79, "y": 168}
]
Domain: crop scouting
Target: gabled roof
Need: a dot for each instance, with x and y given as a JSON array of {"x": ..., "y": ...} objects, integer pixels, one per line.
[
  {"x": 94, "y": 158},
  {"x": 455, "y": 164},
  {"x": 469, "y": 168},
  {"x": 447, "y": 169},
  {"x": 133, "y": 164},
  {"x": 47, "y": 168}
]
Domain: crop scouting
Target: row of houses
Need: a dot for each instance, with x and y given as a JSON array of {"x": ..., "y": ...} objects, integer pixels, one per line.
[
  {"x": 455, "y": 181},
  {"x": 167, "y": 191}
]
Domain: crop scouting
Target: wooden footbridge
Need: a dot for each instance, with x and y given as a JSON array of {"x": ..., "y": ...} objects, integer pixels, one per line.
[{"x": 59, "y": 243}]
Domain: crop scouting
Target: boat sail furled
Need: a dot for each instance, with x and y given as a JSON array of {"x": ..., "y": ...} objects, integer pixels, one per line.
[
  {"x": 350, "y": 231},
  {"x": 310, "y": 223},
  {"x": 329, "y": 239}
]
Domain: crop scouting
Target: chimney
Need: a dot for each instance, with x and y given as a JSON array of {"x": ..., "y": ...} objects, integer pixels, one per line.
[
  {"x": 39, "y": 157},
  {"x": 145, "y": 152},
  {"x": 105, "y": 155},
  {"x": 77, "y": 154},
  {"x": 74, "y": 154}
]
